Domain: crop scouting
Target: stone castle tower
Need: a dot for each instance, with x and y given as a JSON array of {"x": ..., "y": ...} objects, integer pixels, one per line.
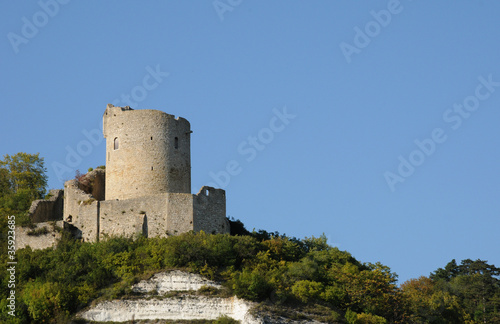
[
  {"x": 147, "y": 152},
  {"x": 145, "y": 188}
]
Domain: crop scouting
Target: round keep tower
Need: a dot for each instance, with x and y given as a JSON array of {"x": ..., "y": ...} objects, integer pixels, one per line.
[{"x": 147, "y": 153}]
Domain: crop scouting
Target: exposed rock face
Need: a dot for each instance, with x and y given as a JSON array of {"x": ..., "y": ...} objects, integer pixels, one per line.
[
  {"x": 186, "y": 307},
  {"x": 183, "y": 307},
  {"x": 176, "y": 280}
]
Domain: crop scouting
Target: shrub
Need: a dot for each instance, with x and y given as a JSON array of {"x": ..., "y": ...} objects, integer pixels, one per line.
[
  {"x": 305, "y": 290},
  {"x": 363, "y": 318},
  {"x": 224, "y": 319},
  {"x": 88, "y": 201},
  {"x": 38, "y": 232}
]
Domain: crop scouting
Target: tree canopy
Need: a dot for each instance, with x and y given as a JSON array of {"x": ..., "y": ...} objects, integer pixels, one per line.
[{"x": 22, "y": 179}]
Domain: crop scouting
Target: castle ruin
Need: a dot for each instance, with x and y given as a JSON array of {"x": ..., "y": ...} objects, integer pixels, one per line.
[{"x": 145, "y": 188}]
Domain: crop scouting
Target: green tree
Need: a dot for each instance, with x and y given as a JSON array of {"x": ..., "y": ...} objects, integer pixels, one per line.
[
  {"x": 43, "y": 300},
  {"x": 427, "y": 303},
  {"x": 26, "y": 172},
  {"x": 22, "y": 179},
  {"x": 450, "y": 271},
  {"x": 476, "y": 285}
]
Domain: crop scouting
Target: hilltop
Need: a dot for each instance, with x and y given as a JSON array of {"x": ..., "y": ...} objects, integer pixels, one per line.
[
  {"x": 282, "y": 278},
  {"x": 285, "y": 277}
]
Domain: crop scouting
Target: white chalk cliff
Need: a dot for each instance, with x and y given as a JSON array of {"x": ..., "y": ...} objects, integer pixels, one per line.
[
  {"x": 155, "y": 305},
  {"x": 187, "y": 306}
]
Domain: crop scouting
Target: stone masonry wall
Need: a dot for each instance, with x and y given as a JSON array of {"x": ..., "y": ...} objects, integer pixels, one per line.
[
  {"x": 129, "y": 217},
  {"x": 209, "y": 206},
  {"x": 180, "y": 213},
  {"x": 152, "y": 216},
  {"x": 81, "y": 210},
  {"x": 40, "y": 241},
  {"x": 44, "y": 210},
  {"x": 94, "y": 183},
  {"x": 147, "y": 152}
]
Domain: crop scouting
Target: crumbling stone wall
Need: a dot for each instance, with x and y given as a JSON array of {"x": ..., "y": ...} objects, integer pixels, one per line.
[
  {"x": 164, "y": 214},
  {"x": 81, "y": 204},
  {"x": 81, "y": 210},
  {"x": 44, "y": 210},
  {"x": 25, "y": 238},
  {"x": 209, "y": 211},
  {"x": 94, "y": 183}
]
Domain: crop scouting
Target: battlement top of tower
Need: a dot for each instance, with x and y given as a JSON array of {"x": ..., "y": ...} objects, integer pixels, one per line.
[{"x": 112, "y": 110}]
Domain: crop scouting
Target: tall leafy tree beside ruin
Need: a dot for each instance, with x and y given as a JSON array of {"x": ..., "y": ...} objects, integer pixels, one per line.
[{"x": 22, "y": 179}]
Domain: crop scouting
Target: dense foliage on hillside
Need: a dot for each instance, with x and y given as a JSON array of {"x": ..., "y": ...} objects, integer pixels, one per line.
[
  {"x": 276, "y": 270},
  {"x": 282, "y": 273}
]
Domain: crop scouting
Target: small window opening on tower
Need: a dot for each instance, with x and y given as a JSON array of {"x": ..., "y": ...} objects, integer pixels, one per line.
[
  {"x": 151, "y": 137},
  {"x": 116, "y": 144},
  {"x": 176, "y": 143},
  {"x": 207, "y": 192},
  {"x": 151, "y": 168}
]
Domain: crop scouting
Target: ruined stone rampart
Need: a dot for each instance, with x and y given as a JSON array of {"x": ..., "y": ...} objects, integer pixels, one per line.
[
  {"x": 209, "y": 210},
  {"x": 94, "y": 183},
  {"x": 40, "y": 236},
  {"x": 129, "y": 217},
  {"x": 44, "y": 210},
  {"x": 81, "y": 210},
  {"x": 180, "y": 213},
  {"x": 162, "y": 215}
]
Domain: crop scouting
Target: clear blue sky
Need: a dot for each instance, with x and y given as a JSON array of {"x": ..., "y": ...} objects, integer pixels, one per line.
[{"x": 361, "y": 82}]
